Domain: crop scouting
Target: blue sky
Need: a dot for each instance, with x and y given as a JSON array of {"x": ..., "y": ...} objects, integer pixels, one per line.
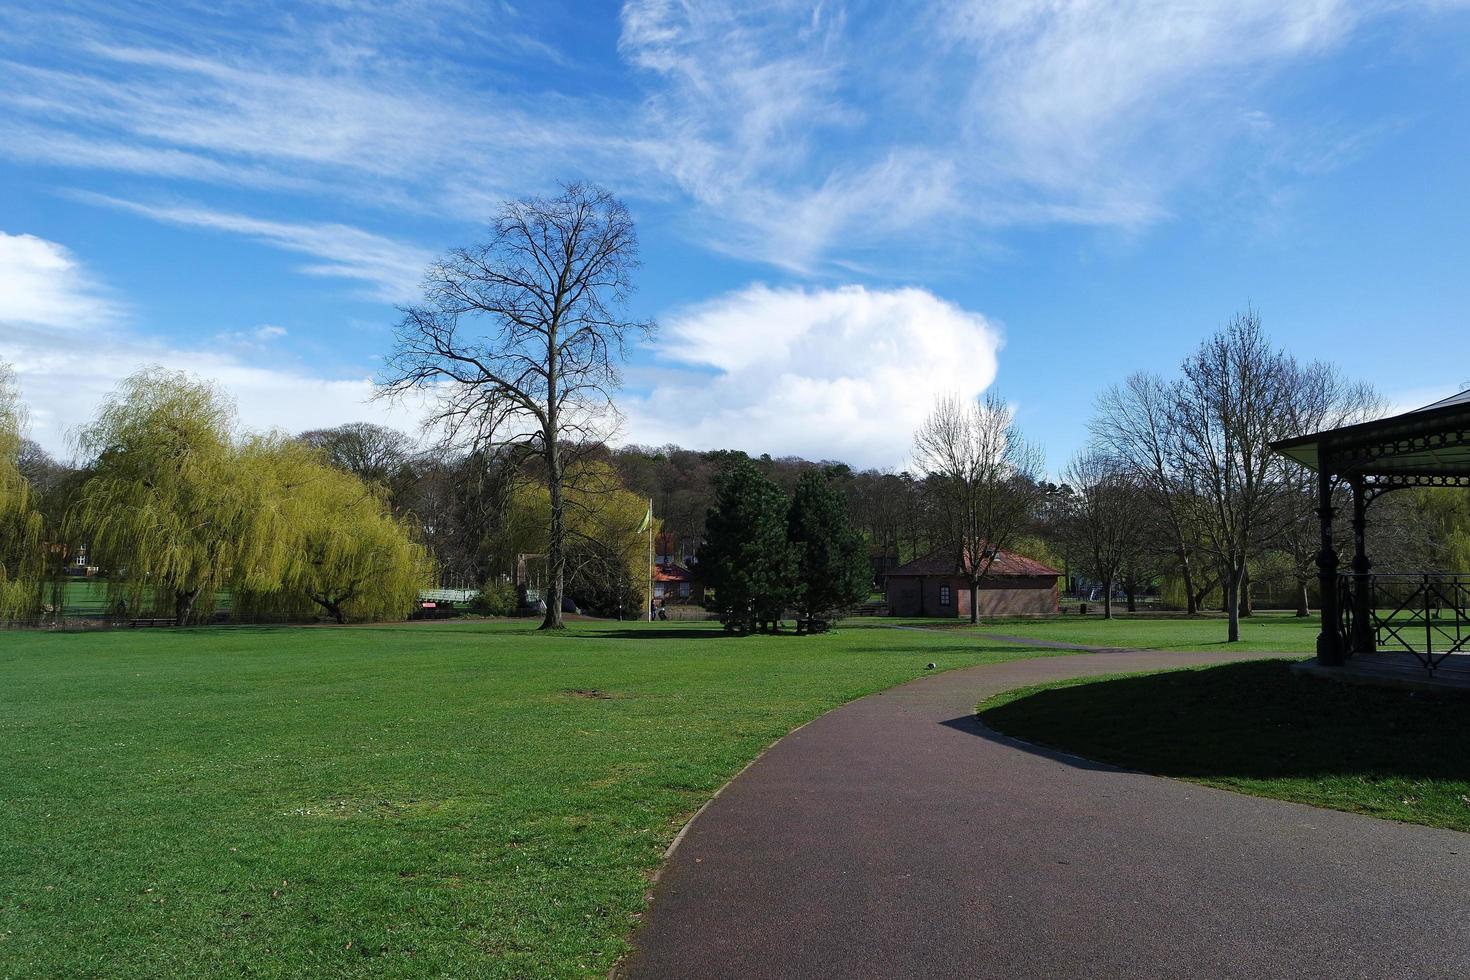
[{"x": 845, "y": 208}]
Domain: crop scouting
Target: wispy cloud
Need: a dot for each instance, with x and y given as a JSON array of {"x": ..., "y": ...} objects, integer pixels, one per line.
[
  {"x": 812, "y": 135},
  {"x": 391, "y": 267}
]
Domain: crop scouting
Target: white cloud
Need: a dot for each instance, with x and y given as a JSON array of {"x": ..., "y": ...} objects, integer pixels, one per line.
[
  {"x": 69, "y": 352},
  {"x": 41, "y": 284},
  {"x": 845, "y": 373}
]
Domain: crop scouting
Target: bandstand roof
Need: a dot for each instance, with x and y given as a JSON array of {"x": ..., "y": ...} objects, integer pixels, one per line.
[{"x": 1426, "y": 447}]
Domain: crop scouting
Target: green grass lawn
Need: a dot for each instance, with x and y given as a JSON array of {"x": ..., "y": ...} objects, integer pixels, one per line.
[
  {"x": 1258, "y": 728},
  {"x": 467, "y": 799},
  {"x": 1270, "y": 632}
]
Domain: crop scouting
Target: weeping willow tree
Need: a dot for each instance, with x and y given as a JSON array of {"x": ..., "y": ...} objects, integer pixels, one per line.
[
  {"x": 22, "y": 552},
  {"x": 335, "y": 546},
  {"x": 607, "y": 540},
  {"x": 167, "y": 512}
]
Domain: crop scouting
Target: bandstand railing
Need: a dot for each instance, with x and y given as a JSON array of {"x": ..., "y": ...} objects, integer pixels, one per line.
[{"x": 1426, "y": 614}]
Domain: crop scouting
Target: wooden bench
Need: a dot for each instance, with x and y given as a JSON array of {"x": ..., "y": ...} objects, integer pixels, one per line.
[
  {"x": 811, "y": 626},
  {"x": 135, "y": 623}
]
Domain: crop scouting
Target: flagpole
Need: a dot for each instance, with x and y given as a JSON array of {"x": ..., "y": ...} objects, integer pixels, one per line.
[{"x": 650, "y": 559}]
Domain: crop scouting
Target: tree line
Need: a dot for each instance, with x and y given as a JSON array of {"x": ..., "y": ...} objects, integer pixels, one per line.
[
  {"x": 1179, "y": 483},
  {"x": 518, "y": 342}
]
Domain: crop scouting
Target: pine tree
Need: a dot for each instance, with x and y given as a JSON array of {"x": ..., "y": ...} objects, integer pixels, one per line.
[
  {"x": 832, "y": 557},
  {"x": 746, "y": 557}
]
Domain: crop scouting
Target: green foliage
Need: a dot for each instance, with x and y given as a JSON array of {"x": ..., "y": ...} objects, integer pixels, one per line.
[
  {"x": 166, "y": 513},
  {"x": 22, "y": 552},
  {"x": 338, "y": 546},
  {"x": 746, "y": 557},
  {"x": 607, "y": 540},
  {"x": 1036, "y": 548},
  {"x": 177, "y": 508},
  {"x": 495, "y": 599},
  {"x": 832, "y": 558},
  {"x": 1442, "y": 516}
]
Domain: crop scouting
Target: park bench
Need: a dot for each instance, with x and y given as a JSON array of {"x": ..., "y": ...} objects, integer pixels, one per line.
[
  {"x": 135, "y": 623},
  {"x": 812, "y": 625}
]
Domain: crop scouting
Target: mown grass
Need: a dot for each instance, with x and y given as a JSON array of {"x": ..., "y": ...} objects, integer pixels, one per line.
[
  {"x": 1259, "y": 728},
  {"x": 1267, "y": 632},
  {"x": 427, "y": 800}
]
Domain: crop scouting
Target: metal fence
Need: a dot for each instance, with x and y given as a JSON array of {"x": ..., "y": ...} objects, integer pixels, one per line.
[{"x": 1426, "y": 614}]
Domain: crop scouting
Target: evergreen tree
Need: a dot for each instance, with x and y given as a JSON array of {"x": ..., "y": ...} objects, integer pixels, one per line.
[
  {"x": 746, "y": 557},
  {"x": 832, "y": 557}
]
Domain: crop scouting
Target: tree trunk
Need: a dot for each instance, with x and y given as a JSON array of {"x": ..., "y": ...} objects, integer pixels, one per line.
[
  {"x": 556, "y": 558},
  {"x": 1246, "y": 609},
  {"x": 1107, "y": 598},
  {"x": 1233, "y": 576},
  {"x": 1190, "y": 601},
  {"x": 1132, "y": 594},
  {"x": 1198, "y": 601},
  {"x": 1303, "y": 608},
  {"x": 974, "y": 601},
  {"x": 184, "y": 606}
]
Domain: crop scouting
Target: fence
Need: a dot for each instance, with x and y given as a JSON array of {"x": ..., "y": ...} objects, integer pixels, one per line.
[{"x": 1426, "y": 614}]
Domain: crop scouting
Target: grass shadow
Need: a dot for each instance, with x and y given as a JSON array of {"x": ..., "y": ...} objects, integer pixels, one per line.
[
  {"x": 1256, "y": 719},
  {"x": 1260, "y": 728},
  {"x": 656, "y": 633}
]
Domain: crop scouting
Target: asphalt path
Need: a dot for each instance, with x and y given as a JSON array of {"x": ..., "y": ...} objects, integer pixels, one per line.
[{"x": 898, "y": 837}]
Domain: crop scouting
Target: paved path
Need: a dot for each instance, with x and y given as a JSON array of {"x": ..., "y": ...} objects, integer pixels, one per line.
[{"x": 897, "y": 837}]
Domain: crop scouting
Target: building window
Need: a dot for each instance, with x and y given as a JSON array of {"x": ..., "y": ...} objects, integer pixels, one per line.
[
  {"x": 684, "y": 589},
  {"x": 944, "y": 595},
  {"x": 658, "y": 590}
]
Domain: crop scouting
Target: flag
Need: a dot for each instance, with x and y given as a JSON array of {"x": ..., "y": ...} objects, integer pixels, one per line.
[{"x": 647, "y": 524}]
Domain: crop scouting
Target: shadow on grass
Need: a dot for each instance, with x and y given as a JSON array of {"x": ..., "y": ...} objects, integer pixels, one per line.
[
  {"x": 1253, "y": 721},
  {"x": 656, "y": 633}
]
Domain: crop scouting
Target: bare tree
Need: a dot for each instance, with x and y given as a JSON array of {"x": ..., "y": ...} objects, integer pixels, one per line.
[
  {"x": 1105, "y": 522},
  {"x": 519, "y": 339},
  {"x": 1319, "y": 398},
  {"x": 1133, "y": 423},
  {"x": 985, "y": 480},
  {"x": 1231, "y": 403},
  {"x": 373, "y": 452}
]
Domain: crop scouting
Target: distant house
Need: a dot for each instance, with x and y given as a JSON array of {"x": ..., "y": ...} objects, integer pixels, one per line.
[
  {"x": 931, "y": 586},
  {"x": 674, "y": 585}
]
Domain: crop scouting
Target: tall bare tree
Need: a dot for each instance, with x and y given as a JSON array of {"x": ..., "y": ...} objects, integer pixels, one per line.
[
  {"x": 985, "y": 479},
  {"x": 519, "y": 339},
  {"x": 1133, "y": 423},
  {"x": 1232, "y": 401},
  {"x": 1105, "y": 522}
]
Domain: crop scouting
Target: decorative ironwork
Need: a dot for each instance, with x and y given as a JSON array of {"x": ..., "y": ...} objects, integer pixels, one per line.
[
  {"x": 1424, "y": 613},
  {"x": 1360, "y": 458}
]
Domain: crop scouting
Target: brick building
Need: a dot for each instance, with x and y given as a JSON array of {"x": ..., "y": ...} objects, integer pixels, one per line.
[{"x": 1014, "y": 586}]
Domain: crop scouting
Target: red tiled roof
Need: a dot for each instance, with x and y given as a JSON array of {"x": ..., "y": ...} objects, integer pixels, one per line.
[
  {"x": 1006, "y": 565},
  {"x": 672, "y": 573}
]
